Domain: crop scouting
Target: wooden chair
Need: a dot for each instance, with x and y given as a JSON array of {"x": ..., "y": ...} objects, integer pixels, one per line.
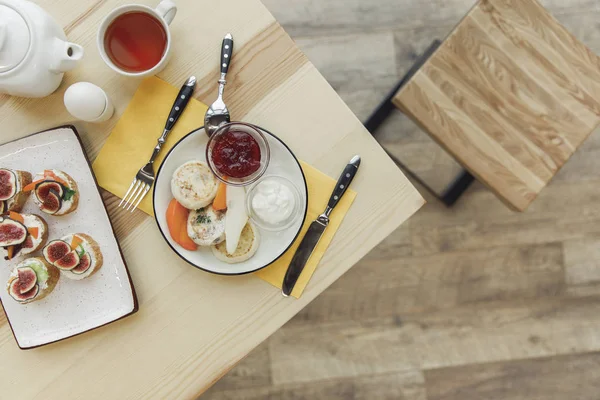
[{"x": 510, "y": 94}]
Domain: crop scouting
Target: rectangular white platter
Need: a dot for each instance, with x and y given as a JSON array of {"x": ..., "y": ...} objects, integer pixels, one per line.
[{"x": 73, "y": 307}]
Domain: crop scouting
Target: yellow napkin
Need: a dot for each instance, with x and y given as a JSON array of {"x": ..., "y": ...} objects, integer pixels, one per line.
[{"x": 131, "y": 142}]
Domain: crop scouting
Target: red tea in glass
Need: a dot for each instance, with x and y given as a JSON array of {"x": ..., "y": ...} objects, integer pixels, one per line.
[{"x": 135, "y": 41}]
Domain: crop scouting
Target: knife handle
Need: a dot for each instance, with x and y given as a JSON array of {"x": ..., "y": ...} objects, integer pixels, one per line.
[{"x": 343, "y": 182}]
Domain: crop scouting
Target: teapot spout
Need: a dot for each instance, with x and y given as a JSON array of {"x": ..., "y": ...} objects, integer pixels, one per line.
[{"x": 66, "y": 55}]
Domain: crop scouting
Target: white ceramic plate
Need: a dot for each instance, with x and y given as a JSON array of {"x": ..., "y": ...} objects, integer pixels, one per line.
[
  {"x": 73, "y": 307},
  {"x": 272, "y": 244}
]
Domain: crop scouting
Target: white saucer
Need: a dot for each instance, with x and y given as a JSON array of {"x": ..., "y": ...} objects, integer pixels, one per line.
[{"x": 272, "y": 244}]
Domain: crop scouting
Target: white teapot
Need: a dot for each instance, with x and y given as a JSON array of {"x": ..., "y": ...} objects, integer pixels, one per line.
[{"x": 34, "y": 52}]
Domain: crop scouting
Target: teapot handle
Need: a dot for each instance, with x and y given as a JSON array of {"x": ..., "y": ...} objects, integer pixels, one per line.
[{"x": 66, "y": 56}]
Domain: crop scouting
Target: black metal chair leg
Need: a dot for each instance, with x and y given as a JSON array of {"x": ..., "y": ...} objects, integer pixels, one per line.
[
  {"x": 386, "y": 107},
  {"x": 460, "y": 184}
]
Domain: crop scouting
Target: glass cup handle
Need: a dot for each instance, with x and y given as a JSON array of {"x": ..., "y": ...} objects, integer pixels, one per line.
[{"x": 167, "y": 10}]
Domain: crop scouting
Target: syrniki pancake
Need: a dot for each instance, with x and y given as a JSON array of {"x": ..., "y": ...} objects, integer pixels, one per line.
[
  {"x": 206, "y": 226},
  {"x": 247, "y": 246},
  {"x": 193, "y": 185}
]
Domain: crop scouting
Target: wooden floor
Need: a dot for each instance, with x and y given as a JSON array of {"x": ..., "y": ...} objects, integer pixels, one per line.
[{"x": 472, "y": 302}]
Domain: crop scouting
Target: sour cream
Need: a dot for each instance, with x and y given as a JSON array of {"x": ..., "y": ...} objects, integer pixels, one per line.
[{"x": 273, "y": 202}]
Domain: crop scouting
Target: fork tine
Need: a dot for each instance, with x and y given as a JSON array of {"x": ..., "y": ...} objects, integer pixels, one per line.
[
  {"x": 134, "y": 196},
  {"x": 135, "y": 188},
  {"x": 128, "y": 190},
  {"x": 141, "y": 197}
]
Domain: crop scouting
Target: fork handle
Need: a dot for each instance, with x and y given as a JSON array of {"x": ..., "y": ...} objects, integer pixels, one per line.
[
  {"x": 161, "y": 140},
  {"x": 183, "y": 98}
]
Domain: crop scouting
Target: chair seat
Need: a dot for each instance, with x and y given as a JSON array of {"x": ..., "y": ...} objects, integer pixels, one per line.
[{"x": 511, "y": 94}]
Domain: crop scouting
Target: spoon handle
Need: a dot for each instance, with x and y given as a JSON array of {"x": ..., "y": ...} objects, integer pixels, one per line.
[{"x": 226, "y": 53}]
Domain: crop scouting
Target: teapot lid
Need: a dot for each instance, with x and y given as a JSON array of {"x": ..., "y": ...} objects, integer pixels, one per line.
[{"x": 15, "y": 38}]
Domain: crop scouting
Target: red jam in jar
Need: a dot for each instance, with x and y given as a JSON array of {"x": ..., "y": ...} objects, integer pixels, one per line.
[{"x": 236, "y": 154}]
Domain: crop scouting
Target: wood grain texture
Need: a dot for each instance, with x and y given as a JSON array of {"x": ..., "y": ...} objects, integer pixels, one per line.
[
  {"x": 250, "y": 373},
  {"x": 314, "y": 18},
  {"x": 416, "y": 284},
  {"x": 193, "y": 326},
  {"x": 395, "y": 386},
  {"x": 553, "y": 378},
  {"x": 482, "y": 222},
  {"x": 511, "y": 94},
  {"x": 472, "y": 334},
  {"x": 581, "y": 260}
]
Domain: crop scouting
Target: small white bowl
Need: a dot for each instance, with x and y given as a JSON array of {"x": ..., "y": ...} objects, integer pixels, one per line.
[{"x": 286, "y": 223}]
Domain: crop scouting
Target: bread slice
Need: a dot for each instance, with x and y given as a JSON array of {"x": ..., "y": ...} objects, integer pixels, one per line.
[
  {"x": 67, "y": 207},
  {"x": 247, "y": 246},
  {"x": 75, "y": 199},
  {"x": 53, "y": 277},
  {"x": 18, "y": 201},
  {"x": 30, "y": 221},
  {"x": 39, "y": 222},
  {"x": 93, "y": 248}
]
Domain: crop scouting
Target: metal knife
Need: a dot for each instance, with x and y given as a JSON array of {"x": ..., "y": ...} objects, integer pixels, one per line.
[{"x": 317, "y": 227}]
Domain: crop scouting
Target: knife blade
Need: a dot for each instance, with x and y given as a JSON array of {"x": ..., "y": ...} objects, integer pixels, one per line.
[{"x": 317, "y": 228}]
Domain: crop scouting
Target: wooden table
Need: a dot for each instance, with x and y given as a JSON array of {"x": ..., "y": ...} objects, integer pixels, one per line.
[{"x": 192, "y": 326}]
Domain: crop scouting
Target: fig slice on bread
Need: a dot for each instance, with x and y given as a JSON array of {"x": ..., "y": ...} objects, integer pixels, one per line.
[
  {"x": 11, "y": 232},
  {"x": 27, "y": 279},
  {"x": 68, "y": 261},
  {"x": 37, "y": 234},
  {"x": 52, "y": 202},
  {"x": 43, "y": 188},
  {"x": 85, "y": 262},
  {"x": 15, "y": 292},
  {"x": 55, "y": 250},
  {"x": 8, "y": 184},
  {"x": 22, "y": 248},
  {"x": 12, "y": 194},
  {"x": 56, "y": 192},
  {"x": 89, "y": 255},
  {"x": 32, "y": 280}
]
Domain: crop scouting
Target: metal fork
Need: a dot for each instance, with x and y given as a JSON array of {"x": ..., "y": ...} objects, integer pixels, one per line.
[{"x": 145, "y": 177}]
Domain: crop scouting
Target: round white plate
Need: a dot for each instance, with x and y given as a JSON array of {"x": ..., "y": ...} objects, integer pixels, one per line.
[{"x": 272, "y": 244}]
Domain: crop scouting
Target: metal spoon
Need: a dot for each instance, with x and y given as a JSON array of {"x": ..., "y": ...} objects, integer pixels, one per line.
[{"x": 218, "y": 114}]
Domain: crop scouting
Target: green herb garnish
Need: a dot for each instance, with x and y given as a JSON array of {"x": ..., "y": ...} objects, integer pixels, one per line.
[
  {"x": 68, "y": 194},
  {"x": 80, "y": 251},
  {"x": 202, "y": 218}
]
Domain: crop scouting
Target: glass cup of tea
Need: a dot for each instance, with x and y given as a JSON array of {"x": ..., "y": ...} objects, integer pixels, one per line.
[{"x": 134, "y": 39}]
